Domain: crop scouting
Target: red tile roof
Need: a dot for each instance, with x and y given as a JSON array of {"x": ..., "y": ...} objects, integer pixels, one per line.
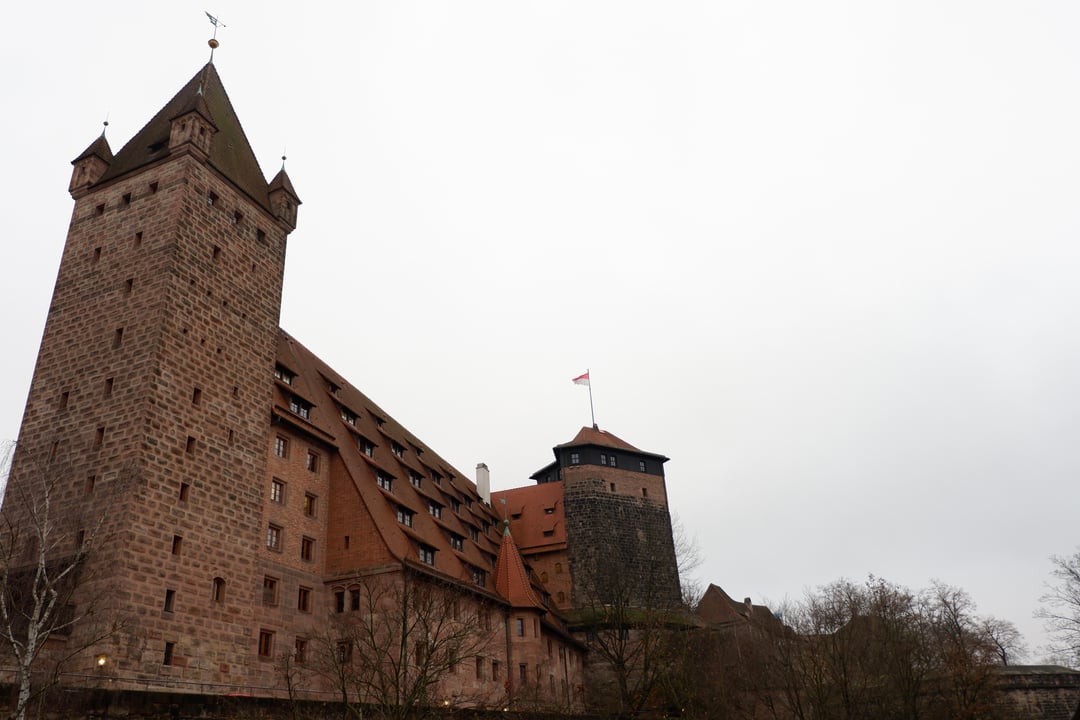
[
  {"x": 511, "y": 578},
  {"x": 596, "y": 436},
  {"x": 531, "y": 503}
]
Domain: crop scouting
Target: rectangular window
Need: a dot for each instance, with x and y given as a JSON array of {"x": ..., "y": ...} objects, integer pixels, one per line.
[
  {"x": 611, "y": 460},
  {"x": 641, "y": 465},
  {"x": 64, "y": 397},
  {"x": 474, "y": 534},
  {"x": 177, "y": 541},
  {"x": 301, "y": 650},
  {"x": 399, "y": 452},
  {"x": 523, "y": 673},
  {"x": 189, "y": 446},
  {"x": 348, "y": 416},
  {"x": 454, "y": 505},
  {"x": 169, "y": 649},
  {"x": 277, "y": 491},
  {"x": 196, "y": 396},
  {"x": 479, "y": 577},
  {"x": 415, "y": 480},
  {"x": 170, "y": 598},
  {"x": 303, "y": 599},
  {"x": 300, "y": 407},
  {"x": 339, "y": 601},
  {"x": 612, "y": 487},
  {"x": 519, "y": 624},
  {"x": 108, "y": 387},
  {"x": 99, "y": 437},
  {"x": 344, "y": 652},
  {"x": 434, "y": 509},
  {"x": 118, "y": 337},
  {"x": 269, "y": 595},
  {"x": 366, "y": 446},
  {"x": 405, "y": 517},
  {"x": 91, "y": 480},
  {"x": 283, "y": 375},
  {"x": 644, "y": 492},
  {"x": 309, "y": 504},
  {"x": 266, "y": 644},
  {"x": 603, "y": 459},
  {"x": 384, "y": 481},
  {"x": 575, "y": 459},
  {"x": 281, "y": 447},
  {"x": 457, "y": 542},
  {"x": 479, "y": 668},
  {"x": 307, "y": 549},
  {"x": 312, "y": 463},
  {"x": 273, "y": 538},
  {"x": 354, "y": 600},
  {"x": 427, "y": 555}
]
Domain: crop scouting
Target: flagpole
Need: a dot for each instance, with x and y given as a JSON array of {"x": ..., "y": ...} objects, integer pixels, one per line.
[{"x": 591, "y": 411}]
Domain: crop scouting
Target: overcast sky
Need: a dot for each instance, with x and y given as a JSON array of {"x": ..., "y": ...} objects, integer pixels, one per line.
[{"x": 823, "y": 255}]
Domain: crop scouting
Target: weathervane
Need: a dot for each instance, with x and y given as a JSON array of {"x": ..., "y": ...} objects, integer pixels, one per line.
[{"x": 213, "y": 42}]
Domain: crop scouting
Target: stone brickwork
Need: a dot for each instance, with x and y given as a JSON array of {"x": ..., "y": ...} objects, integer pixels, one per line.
[
  {"x": 150, "y": 396},
  {"x": 619, "y": 542},
  {"x": 1039, "y": 692}
]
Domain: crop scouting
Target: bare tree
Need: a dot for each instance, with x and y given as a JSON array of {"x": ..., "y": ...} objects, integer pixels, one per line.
[
  {"x": 404, "y": 634},
  {"x": 49, "y": 610},
  {"x": 1060, "y": 609},
  {"x": 688, "y": 558}
]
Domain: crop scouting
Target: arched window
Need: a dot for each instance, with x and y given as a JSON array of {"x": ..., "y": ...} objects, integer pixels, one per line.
[{"x": 218, "y": 592}]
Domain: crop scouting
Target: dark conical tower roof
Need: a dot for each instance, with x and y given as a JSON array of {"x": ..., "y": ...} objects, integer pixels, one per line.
[
  {"x": 99, "y": 147},
  {"x": 230, "y": 152}
]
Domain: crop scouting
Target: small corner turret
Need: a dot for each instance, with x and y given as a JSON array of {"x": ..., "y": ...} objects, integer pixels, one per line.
[
  {"x": 90, "y": 166},
  {"x": 283, "y": 198}
]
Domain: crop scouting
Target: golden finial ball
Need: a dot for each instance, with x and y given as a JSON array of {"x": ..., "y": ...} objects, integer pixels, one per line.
[{"x": 213, "y": 43}]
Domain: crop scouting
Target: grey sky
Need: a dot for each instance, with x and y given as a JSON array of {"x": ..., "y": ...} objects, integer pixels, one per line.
[{"x": 822, "y": 255}]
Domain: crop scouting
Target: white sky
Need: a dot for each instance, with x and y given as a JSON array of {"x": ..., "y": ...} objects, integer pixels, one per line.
[{"x": 821, "y": 254}]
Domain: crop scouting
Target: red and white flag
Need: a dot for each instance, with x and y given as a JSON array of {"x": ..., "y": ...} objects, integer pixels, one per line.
[{"x": 582, "y": 379}]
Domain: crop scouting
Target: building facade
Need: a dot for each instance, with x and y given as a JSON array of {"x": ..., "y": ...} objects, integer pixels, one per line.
[{"x": 245, "y": 509}]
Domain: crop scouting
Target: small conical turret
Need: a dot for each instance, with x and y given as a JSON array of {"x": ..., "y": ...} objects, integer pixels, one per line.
[
  {"x": 283, "y": 198},
  {"x": 90, "y": 166}
]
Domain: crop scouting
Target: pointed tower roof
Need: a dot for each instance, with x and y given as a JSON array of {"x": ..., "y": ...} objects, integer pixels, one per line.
[
  {"x": 511, "y": 578},
  {"x": 281, "y": 181},
  {"x": 230, "y": 152},
  {"x": 596, "y": 436},
  {"x": 100, "y": 148}
]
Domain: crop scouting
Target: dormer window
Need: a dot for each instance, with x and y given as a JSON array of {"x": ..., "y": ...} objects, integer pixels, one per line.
[
  {"x": 283, "y": 375},
  {"x": 366, "y": 446},
  {"x": 348, "y": 416},
  {"x": 479, "y": 577},
  {"x": 405, "y": 517},
  {"x": 399, "y": 452},
  {"x": 427, "y": 555},
  {"x": 435, "y": 509},
  {"x": 384, "y": 481},
  {"x": 300, "y": 407},
  {"x": 436, "y": 478},
  {"x": 474, "y": 534},
  {"x": 454, "y": 505},
  {"x": 415, "y": 479},
  {"x": 457, "y": 542}
]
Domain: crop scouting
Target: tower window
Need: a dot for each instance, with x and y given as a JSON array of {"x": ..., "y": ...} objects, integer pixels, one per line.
[
  {"x": 644, "y": 492},
  {"x": 108, "y": 386},
  {"x": 91, "y": 480},
  {"x": 99, "y": 437},
  {"x": 64, "y": 397},
  {"x": 97, "y": 255},
  {"x": 138, "y": 238},
  {"x": 190, "y": 446},
  {"x": 266, "y": 644},
  {"x": 185, "y": 490},
  {"x": 217, "y": 252},
  {"x": 177, "y": 542},
  {"x": 273, "y": 538},
  {"x": 129, "y": 284},
  {"x": 118, "y": 337},
  {"x": 100, "y": 209},
  {"x": 260, "y": 235},
  {"x": 237, "y": 217},
  {"x": 153, "y": 187},
  {"x": 641, "y": 465},
  {"x": 125, "y": 200},
  {"x": 612, "y": 487},
  {"x": 217, "y": 591},
  {"x": 575, "y": 459},
  {"x": 269, "y": 595},
  {"x": 611, "y": 460},
  {"x": 196, "y": 395},
  {"x": 170, "y": 599},
  {"x": 211, "y": 198},
  {"x": 603, "y": 459},
  {"x": 169, "y": 649}
]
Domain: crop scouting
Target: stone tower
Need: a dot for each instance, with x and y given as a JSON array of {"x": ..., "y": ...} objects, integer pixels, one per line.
[{"x": 148, "y": 405}]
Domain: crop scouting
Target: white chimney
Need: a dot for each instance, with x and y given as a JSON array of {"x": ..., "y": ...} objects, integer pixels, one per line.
[{"x": 483, "y": 482}]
